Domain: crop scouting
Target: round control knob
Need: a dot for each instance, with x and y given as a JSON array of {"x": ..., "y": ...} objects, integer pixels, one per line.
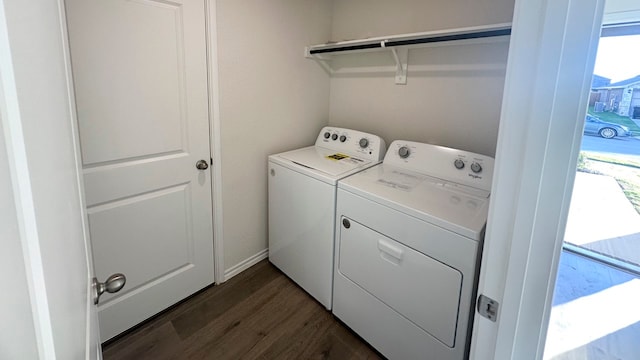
[
  {"x": 475, "y": 167},
  {"x": 334, "y": 136},
  {"x": 404, "y": 152},
  {"x": 459, "y": 164},
  {"x": 327, "y": 135},
  {"x": 364, "y": 143},
  {"x": 343, "y": 138}
]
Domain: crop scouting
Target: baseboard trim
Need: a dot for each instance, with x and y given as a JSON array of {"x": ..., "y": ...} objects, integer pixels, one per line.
[{"x": 245, "y": 264}]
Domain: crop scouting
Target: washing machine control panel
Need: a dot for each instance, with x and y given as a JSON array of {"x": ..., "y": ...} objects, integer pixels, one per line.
[
  {"x": 476, "y": 167},
  {"x": 404, "y": 152},
  {"x": 352, "y": 142},
  {"x": 456, "y": 167}
]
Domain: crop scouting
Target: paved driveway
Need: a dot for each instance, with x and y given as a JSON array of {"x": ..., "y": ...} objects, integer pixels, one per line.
[
  {"x": 602, "y": 219},
  {"x": 595, "y": 311}
]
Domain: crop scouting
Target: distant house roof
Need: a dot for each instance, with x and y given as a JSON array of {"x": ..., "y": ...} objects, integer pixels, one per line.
[
  {"x": 624, "y": 83},
  {"x": 599, "y": 81}
]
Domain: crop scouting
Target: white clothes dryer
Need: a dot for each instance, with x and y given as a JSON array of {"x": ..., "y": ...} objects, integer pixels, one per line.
[
  {"x": 408, "y": 242},
  {"x": 302, "y": 203}
]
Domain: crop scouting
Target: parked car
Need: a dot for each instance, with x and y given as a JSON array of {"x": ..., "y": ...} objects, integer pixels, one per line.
[{"x": 608, "y": 130}]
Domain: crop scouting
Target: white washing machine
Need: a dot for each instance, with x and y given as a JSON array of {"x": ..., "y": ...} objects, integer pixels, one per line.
[
  {"x": 408, "y": 238},
  {"x": 302, "y": 204}
]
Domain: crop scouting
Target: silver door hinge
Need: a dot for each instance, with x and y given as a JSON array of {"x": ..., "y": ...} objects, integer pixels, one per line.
[{"x": 488, "y": 307}]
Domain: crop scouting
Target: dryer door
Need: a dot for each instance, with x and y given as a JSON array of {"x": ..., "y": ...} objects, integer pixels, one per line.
[{"x": 420, "y": 288}]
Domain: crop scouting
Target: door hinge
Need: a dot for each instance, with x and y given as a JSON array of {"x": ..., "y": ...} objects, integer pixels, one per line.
[
  {"x": 488, "y": 307},
  {"x": 210, "y": 161}
]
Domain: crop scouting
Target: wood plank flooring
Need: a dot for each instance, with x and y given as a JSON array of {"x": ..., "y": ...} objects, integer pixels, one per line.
[{"x": 259, "y": 314}]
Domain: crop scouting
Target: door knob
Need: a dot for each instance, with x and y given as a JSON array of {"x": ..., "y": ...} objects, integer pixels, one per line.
[
  {"x": 202, "y": 165},
  {"x": 113, "y": 284}
]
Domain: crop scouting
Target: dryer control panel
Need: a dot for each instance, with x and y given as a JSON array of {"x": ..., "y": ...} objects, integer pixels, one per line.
[
  {"x": 460, "y": 168},
  {"x": 365, "y": 145}
]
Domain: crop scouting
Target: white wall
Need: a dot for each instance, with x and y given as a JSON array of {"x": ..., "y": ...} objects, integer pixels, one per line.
[
  {"x": 271, "y": 99},
  {"x": 453, "y": 93},
  {"x": 356, "y": 19},
  {"x": 17, "y": 334}
]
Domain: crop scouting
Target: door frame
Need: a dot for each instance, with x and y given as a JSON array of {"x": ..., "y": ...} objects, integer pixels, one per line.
[
  {"x": 48, "y": 207},
  {"x": 549, "y": 71},
  {"x": 215, "y": 139}
]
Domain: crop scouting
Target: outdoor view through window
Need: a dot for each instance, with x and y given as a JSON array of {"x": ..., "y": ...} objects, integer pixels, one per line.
[{"x": 596, "y": 312}]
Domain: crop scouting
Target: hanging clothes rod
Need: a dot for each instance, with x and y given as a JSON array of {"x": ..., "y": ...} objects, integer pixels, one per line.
[
  {"x": 413, "y": 39},
  {"x": 345, "y": 48},
  {"x": 427, "y": 40}
]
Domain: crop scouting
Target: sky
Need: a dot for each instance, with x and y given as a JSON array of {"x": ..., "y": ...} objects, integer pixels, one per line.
[{"x": 618, "y": 57}]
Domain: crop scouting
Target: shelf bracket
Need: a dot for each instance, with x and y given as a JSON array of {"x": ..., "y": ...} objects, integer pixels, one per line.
[
  {"x": 322, "y": 61},
  {"x": 401, "y": 55}
]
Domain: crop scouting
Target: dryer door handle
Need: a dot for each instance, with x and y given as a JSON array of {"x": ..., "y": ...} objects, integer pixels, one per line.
[{"x": 390, "y": 252}]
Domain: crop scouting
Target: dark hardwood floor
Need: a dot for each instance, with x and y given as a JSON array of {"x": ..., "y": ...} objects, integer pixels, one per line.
[{"x": 259, "y": 314}]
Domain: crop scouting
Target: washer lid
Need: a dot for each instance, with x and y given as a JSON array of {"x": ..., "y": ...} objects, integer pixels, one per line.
[
  {"x": 430, "y": 199},
  {"x": 329, "y": 162}
]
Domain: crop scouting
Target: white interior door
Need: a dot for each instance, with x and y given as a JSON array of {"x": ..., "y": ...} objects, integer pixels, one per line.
[
  {"x": 140, "y": 80},
  {"x": 47, "y": 308}
]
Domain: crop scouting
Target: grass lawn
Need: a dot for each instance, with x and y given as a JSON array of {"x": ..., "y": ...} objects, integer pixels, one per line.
[
  {"x": 617, "y": 119},
  {"x": 612, "y": 160}
]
